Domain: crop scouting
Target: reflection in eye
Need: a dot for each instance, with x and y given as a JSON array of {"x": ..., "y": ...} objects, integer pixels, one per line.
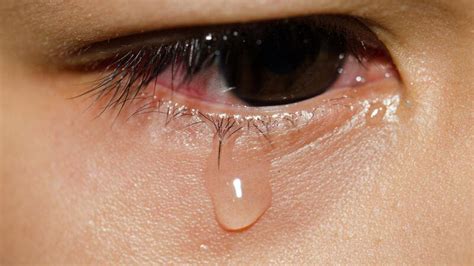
[{"x": 283, "y": 63}]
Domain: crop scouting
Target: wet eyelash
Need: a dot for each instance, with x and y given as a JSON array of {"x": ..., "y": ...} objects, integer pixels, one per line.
[
  {"x": 225, "y": 126},
  {"x": 127, "y": 73}
]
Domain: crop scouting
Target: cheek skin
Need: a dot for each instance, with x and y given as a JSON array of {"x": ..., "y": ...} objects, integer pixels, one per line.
[
  {"x": 79, "y": 190},
  {"x": 136, "y": 191}
]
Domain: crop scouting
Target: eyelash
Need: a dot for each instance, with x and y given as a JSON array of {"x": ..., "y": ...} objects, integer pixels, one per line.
[{"x": 127, "y": 72}]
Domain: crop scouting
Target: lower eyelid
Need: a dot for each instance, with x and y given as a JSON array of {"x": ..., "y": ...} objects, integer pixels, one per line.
[
  {"x": 367, "y": 105},
  {"x": 317, "y": 116}
]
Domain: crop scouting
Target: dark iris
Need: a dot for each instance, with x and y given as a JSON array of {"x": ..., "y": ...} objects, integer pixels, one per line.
[{"x": 282, "y": 64}]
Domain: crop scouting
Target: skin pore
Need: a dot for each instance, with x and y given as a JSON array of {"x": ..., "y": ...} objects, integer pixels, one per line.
[{"x": 80, "y": 189}]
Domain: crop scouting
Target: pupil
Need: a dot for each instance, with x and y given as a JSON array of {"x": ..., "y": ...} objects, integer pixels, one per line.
[
  {"x": 282, "y": 64},
  {"x": 280, "y": 53}
]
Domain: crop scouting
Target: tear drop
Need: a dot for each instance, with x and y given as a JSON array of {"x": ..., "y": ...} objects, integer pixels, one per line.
[{"x": 238, "y": 182}]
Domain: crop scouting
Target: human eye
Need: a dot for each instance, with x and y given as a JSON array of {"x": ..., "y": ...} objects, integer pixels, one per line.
[
  {"x": 236, "y": 131},
  {"x": 249, "y": 90}
]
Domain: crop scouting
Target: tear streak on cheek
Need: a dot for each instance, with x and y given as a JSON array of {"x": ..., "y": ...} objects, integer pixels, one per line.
[
  {"x": 239, "y": 174},
  {"x": 336, "y": 117}
]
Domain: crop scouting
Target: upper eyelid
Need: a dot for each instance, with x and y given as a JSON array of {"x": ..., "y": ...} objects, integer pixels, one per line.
[
  {"x": 105, "y": 49},
  {"x": 90, "y": 54}
]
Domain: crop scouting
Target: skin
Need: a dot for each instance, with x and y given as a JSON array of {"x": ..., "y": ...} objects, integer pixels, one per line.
[{"x": 78, "y": 190}]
